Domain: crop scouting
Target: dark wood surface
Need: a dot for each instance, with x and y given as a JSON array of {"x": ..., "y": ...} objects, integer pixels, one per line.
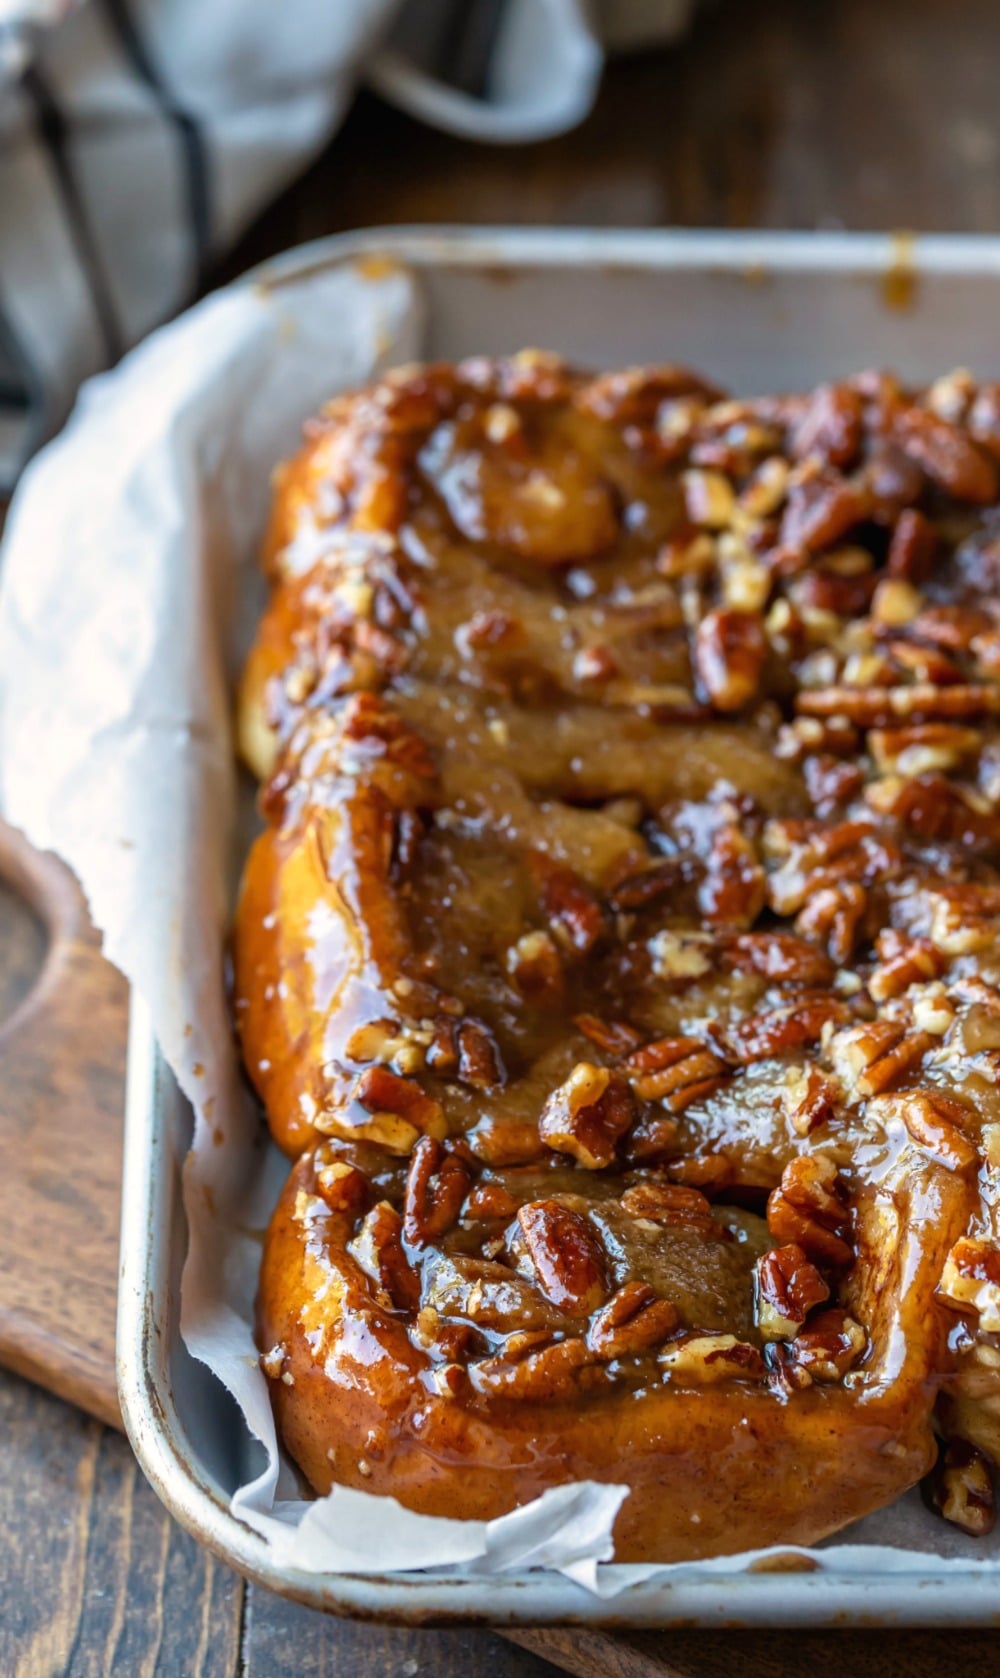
[{"x": 799, "y": 113}]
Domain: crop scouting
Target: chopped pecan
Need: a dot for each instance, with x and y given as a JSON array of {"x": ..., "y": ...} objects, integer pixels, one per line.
[
  {"x": 936, "y": 811},
  {"x": 615, "y": 1037},
  {"x": 787, "y": 1286},
  {"x": 809, "y": 1098},
  {"x": 806, "y": 1209},
  {"x": 706, "y": 1358},
  {"x": 970, "y": 1281},
  {"x": 399, "y": 1110},
  {"x": 963, "y": 918},
  {"x": 834, "y": 917},
  {"x": 488, "y": 1294},
  {"x": 912, "y": 546},
  {"x": 479, "y": 1063},
  {"x": 831, "y": 783},
  {"x": 436, "y": 1186},
  {"x": 709, "y": 499},
  {"x": 732, "y": 892},
  {"x": 535, "y": 965},
  {"x": 729, "y": 652},
  {"x": 342, "y": 1185},
  {"x": 566, "y": 1255},
  {"x": 869, "y": 1058},
  {"x": 923, "y": 747},
  {"x": 765, "y": 492},
  {"x": 676, "y": 1070},
  {"x": 813, "y": 857},
  {"x": 903, "y": 963},
  {"x": 960, "y": 1487},
  {"x": 378, "y": 1249},
  {"x": 829, "y": 1347},
  {"x": 442, "y": 1050},
  {"x": 680, "y": 955},
  {"x": 588, "y": 1115},
  {"x": 633, "y": 1321},
  {"x": 570, "y": 907},
  {"x": 671, "y": 1203},
  {"x": 948, "y": 456},
  {"x": 935, "y": 1122}
]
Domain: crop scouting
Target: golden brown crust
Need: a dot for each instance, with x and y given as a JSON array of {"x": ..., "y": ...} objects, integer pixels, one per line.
[{"x": 619, "y": 959}]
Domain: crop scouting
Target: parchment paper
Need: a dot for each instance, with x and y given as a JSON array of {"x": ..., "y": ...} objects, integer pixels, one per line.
[{"x": 128, "y": 595}]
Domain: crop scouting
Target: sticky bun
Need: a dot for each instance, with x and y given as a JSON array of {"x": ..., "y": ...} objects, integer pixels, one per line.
[{"x": 618, "y": 964}]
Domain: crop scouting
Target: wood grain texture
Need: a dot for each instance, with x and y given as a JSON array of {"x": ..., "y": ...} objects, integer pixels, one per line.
[
  {"x": 95, "y": 1578},
  {"x": 776, "y": 1654},
  {"x": 62, "y": 1060},
  {"x": 282, "y": 1640}
]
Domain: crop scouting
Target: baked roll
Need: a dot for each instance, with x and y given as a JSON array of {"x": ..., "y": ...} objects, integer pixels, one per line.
[{"x": 618, "y": 963}]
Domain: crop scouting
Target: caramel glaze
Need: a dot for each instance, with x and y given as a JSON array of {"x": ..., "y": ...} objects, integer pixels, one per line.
[{"x": 618, "y": 962}]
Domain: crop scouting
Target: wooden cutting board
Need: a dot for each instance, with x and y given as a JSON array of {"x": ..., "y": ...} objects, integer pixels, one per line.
[{"x": 63, "y": 1026}]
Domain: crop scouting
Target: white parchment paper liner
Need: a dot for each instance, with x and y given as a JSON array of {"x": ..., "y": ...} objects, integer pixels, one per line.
[{"x": 128, "y": 595}]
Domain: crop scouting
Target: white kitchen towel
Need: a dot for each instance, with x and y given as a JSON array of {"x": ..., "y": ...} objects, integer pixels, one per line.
[{"x": 139, "y": 137}]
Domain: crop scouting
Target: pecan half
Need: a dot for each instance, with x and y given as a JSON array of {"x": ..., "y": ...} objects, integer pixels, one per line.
[
  {"x": 934, "y": 1121},
  {"x": 903, "y": 964},
  {"x": 479, "y": 1063},
  {"x": 633, "y": 1321},
  {"x": 436, "y": 1186},
  {"x": 878, "y": 707},
  {"x": 675, "y": 1070},
  {"x": 806, "y": 1209},
  {"x": 960, "y": 1488},
  {"x": 729, "y": 652},
  {"x": 948, "y": 456},
  {"x": 868, "y": 1058},
  {"x": 671, "y": 1203},
  {"x": 912, "y": 546},
  {"x": 778, "y": 1030},
  {"x": 387, "y": 1097},
  {"x": 922, "y": 747},
  {"x": 834, "y": 917},
  {"x": 530, "y": 1370},
  {"x": 588, "y": 1115},
  {"x": 787, "y": 1286},
  {"x": 821, "y": 508},
  {"x": 378, "y": 1249},
  {"x": 566, "y": 1255}
]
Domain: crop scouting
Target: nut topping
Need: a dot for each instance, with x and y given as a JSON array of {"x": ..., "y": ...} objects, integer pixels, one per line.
[
  {"x": 961, "y": 1488},
  {"x": 729, "y": 652},
  {"x": 971, "y": 1281},
  {"x": 788, "y": 1285},
  {"x": 806, "y": 1210},
  {"x": 704, "y": 1359},
  {"x": 934, "y": 1121},
  {"x": 633, "y": 1321},
  {"x": 435, "y": 1189},
  {"x": 588, "y": 1115},
  {"x": 829, "y": 1347},
  {"x": 566, "y": 1255},
  {"x": 378, "y": 1248}
]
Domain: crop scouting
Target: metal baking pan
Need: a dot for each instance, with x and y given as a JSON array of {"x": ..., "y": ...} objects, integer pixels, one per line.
[{"x": 756, "y": 312}]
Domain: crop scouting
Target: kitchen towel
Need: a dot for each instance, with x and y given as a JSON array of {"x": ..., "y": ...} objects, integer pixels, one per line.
[{"x": 139, "y": 137}]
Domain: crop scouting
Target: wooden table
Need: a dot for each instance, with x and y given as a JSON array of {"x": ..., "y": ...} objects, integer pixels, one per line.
[{"x": 795, "y": 113}]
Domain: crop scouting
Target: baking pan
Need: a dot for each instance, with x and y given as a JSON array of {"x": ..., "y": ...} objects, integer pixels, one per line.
[{"x": 756, "y": 312}]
